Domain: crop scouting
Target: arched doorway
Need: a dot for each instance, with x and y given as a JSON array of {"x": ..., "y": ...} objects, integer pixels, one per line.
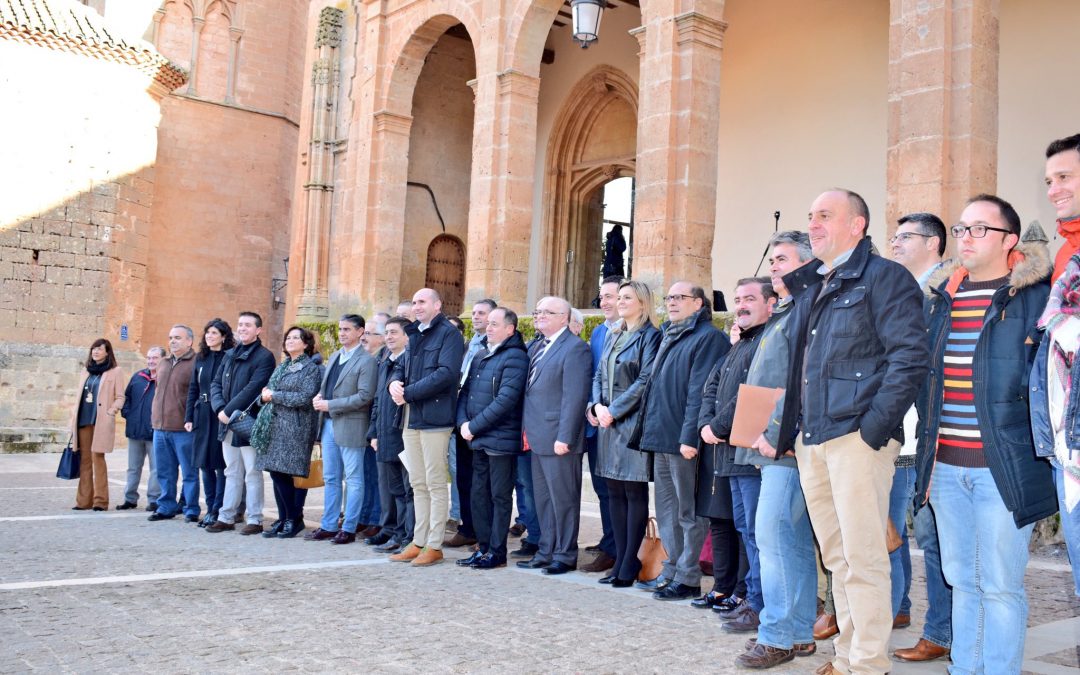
[
  {"x": 446, "y": 271},
  {"x": 593, "y": 143}
]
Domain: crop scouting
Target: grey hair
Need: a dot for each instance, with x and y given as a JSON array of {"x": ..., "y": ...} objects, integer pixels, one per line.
[
  {"x": 186, "y": 329},
  {"x": 576, "y": 315},
  {"x": 155, "y": 348},
  {"x": 800, "y": 240}
]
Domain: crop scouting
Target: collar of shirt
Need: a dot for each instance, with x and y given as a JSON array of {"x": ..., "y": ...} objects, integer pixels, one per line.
[
  {"x": 551, "y": 340},
  {"x": 394, "y": 357},
  {"x": 613, "y": 324},
  {"x": 346, "y": 354},
  {"x": 840, "y": 260},
  {"x": 492, "y": 347}
]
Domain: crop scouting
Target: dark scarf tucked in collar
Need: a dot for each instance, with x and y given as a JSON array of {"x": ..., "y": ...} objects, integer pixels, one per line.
[{"x": 96, "y": 368}]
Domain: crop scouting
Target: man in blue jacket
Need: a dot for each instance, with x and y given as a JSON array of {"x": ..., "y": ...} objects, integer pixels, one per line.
[
  {"x": 137, "y": 401},
  {"x": 427, "y": 388},
  {"x": 489, "y": 415},
  {"x": 988, "y": 488}
]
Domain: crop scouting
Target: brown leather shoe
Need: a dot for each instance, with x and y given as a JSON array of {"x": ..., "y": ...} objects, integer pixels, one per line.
[
  {"x": 825, "y": 627},
  {"x": 601, "y": 563},
  {"x": 746, "y": 622},
  {"x": 924, "y": 650},
  {"x": 901, "y": 621},
  {"x": 408, "y": 555},
  {"x": 220, "y": 526},
  {"x": 806, "y": 649},
  {"x": 428, "y": 557},
  {"x": 343, "y": 537},
  {"x": 764, "y": 656},
  {"x": 250, "y": 529},
  {"x": 370, "y": 531},
  {"x": 458, "y": 540},
  {"x": 319, "y": 534},
  {"x": 826, "y": 669}
]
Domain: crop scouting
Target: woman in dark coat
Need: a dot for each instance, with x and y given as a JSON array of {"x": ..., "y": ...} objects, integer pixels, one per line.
[
  {"x": 284, "y": 432},
  {"x": 628, "y": 351},
  {"x": 200, "y": 417}
]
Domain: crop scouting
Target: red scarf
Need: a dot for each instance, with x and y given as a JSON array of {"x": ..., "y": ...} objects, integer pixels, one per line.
[{"x": 1070, "y": 229}]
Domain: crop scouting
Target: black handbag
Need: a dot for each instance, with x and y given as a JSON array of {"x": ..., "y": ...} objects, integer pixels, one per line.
[
  {"x": 69, "y": 463},
  {"x": 241, "y": 425}
]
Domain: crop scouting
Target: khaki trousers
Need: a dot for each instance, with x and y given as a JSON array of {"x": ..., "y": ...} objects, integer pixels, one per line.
[
  {"x": 847, "y": 485},
  {"x": 93, "y": 487},
  {"x": 424, "y": 458}
]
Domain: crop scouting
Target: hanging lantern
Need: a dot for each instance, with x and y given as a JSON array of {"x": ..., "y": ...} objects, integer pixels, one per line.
[{"x": 586, "y": 16}]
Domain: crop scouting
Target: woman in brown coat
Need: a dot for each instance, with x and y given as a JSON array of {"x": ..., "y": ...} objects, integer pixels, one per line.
[{"x": 93, "y": 427}]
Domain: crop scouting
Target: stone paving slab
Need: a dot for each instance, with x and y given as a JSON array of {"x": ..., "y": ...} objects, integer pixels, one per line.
[{"x": 315, "y": 607}]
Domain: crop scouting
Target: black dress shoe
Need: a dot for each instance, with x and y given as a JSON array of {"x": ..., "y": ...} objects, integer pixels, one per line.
[
  {"x": 709, "y": 600},
  {"x": 489, "y": 561},
  {"x": 155, "y": 516},
  {"x": 608, "y": 579},
  {"x": 533, "y": 564},
  {"x": 378, "y": 540},
  {"x": 191, "y": 519},
  {"x": 126, "y": 505},
  {"x": 99, "y": 508},
  {"x": 676, "y": 591},
  {"x": 622, "y": 583},
  {"x": 527, "y": 550},
  {"x": 290, "y": 529},
  {"x": 151, "y": 507},
  {"x": 559, "y": 568},
  {"x": 467, "y": 562},
  {"x": 79, "y": 508},
  {"x": 275, "y": 527}
]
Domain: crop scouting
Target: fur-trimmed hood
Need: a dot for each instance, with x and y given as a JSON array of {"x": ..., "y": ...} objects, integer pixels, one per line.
[{"x": 1029, "y": 263}]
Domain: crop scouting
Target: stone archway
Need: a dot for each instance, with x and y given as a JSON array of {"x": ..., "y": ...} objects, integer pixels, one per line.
[{"x": 594, "y": 141}]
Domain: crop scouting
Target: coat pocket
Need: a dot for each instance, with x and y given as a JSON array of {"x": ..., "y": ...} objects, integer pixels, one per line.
[{"x": 851, "y": 386}]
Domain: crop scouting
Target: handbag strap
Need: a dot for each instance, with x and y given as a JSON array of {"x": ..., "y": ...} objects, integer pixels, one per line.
[{"x": 650, "y": 528}]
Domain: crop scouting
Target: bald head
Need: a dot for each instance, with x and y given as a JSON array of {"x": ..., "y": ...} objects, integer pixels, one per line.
[
  {"x": 552, "y": 315},
  {"x": 426, "y": 305}
]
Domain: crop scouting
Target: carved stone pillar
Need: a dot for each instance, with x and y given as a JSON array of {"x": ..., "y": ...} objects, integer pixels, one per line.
[
  {"x": 234, "y": 56},
  {"x": 678, "y": 131},
  {"x": 314, "y": 300},
  {"x": 197, "y": 25}
]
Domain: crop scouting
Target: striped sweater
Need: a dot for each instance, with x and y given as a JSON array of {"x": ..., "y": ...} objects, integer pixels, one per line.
[{"x": 959, "y": 438}]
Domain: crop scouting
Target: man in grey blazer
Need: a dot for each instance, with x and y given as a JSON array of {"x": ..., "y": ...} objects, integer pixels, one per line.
[
  {"x": 344, "y": 405},
  {"x": 556, "y": 393}
]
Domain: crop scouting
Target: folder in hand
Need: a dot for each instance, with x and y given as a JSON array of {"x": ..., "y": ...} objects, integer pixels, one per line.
[{"x": 753, "y": 410}]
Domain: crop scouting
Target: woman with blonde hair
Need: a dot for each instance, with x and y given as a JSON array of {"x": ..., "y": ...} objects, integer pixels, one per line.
[
  {"x": 93, "y": 427},
  {"x": 629, "y": 350}
]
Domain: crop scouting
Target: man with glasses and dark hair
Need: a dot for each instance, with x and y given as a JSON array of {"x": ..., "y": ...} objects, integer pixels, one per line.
[
  {"x": 668, "y": 427},
  {"x": 858, "y": 357},
  {"x": 553, "y": 422},
  {"x": 988, "y": 488}
]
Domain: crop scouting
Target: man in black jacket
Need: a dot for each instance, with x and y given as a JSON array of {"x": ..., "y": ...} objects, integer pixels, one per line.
[
  {"x": 975, "y": 440},
  {"x": 244, "y": 371},
  {"x": 384, "y": 432},
  {"x": 668, "y": 427},
  {"x": 137, "y": 400},
  {"x": 858, "y": 356},
  {"x": 489, "y": 415},
  {"x": 427, "y": 387}
]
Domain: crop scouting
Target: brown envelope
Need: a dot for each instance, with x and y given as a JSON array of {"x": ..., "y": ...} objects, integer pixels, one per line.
[{"x": 753, "y": 411}]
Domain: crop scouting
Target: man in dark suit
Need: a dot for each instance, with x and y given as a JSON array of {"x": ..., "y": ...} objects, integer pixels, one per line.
[{"x": 556, "y": 393}]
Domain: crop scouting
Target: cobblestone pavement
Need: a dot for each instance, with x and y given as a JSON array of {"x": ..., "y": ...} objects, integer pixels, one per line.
[{"x": 83, "y": 592}]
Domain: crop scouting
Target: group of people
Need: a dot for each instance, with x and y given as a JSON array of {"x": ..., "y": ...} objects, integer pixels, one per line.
[{"x": 942, "y": 385}]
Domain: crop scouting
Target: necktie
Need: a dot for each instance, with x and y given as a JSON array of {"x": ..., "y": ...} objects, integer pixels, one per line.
[{"x": 537, "y": 355}]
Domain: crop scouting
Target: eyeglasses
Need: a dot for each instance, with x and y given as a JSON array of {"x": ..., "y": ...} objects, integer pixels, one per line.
[
  {"x": 545, "y": 312},
  {"x": 677, "y": 297},
  {"x": 904, "y": 236},
  {"x": 976, "y": 231}
]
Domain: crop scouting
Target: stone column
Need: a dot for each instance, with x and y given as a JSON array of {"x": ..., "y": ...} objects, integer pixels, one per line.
[
  {"x": 197, "y": 25},
  {"x": 234, "y": 56},
  {"x": 386, "y": 192},
  {"x": 314, "y": 301},
  {"x": 501, "y": 193},
  {"x": 677, "y": 148},
  {"x": 943, "y": 105}
]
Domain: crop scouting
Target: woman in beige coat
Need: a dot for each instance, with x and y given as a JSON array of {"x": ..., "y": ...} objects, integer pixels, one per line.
[{"x": 93, "y": 424}]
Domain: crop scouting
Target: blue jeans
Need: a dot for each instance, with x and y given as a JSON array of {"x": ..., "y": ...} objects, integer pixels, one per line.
[
  {"x": 526, "y": 505},
  {"x": 786, "y": 552},
  {"x": 1070, "y": 526},
  {"x": 744, "y": 500},
  {"x": 174, "y": 450},
  {"x": 370, "y": 509},
  {"x": 938, "y": 626},
  {"x": 984, "y": 557},
  {"x": 341, "y": 465},
  {"x": 214, "y": 489},
  {"x": 903, "y": 490}
]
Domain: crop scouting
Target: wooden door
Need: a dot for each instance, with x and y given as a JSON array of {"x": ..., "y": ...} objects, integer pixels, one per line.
[{"x": 446, "y": 272}]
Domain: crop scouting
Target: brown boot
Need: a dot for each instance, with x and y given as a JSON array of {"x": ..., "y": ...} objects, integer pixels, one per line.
[
  {"x": 924, "y": 650},
  {"x": 601, "y": 563},
  {"x": 428, "y": 557},
  {"x": 825, "y": 627},
  {"x": 764, "y": 656},
  {"x": 901, "y": 621},
  {"x": 408, "y": 555}
]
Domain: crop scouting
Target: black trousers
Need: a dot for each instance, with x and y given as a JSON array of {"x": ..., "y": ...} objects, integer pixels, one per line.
[
  {"x": 730, "y": 565},
  {"x": 629, "y": 504},
  {"x": 492, "y": 499},
  {"x": 396, "y": 516},
  {"x": 464, "y": 479},
  {"x": 288, "y": 502}
]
